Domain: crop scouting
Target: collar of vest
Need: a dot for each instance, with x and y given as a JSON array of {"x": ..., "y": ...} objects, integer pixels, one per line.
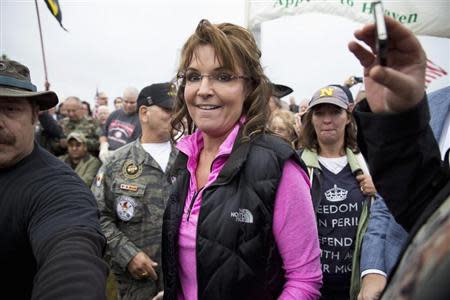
[{"x": 311, "y": 159}]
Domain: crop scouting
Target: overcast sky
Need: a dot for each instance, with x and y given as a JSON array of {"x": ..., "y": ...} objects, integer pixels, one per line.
[{"x": 112, "y": 44}]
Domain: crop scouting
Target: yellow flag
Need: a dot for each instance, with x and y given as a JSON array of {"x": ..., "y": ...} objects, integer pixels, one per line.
[{"x": 55, "y": 9}]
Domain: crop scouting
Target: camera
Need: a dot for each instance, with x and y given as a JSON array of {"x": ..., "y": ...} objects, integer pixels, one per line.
[{"x": 358, "y": 79}]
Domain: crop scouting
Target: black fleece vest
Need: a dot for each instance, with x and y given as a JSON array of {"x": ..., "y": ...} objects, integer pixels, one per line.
[{"x": 237, "y": 257}]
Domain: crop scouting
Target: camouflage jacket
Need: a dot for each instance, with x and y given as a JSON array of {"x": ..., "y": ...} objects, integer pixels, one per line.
[
  {"x": 132, "y": 191},
  {"x": 88, "y": 127}
]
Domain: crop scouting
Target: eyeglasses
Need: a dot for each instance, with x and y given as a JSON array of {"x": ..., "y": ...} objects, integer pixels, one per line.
[{"x": 217, "y": 78}]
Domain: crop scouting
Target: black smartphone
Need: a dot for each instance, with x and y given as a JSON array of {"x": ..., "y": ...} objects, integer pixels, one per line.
[
  {"x": 358, "y": 79},
  {"x": 382, "y": 35}
]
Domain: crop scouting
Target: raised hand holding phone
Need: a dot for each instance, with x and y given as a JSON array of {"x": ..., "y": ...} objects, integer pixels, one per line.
[{"x": 400, "y": 85}]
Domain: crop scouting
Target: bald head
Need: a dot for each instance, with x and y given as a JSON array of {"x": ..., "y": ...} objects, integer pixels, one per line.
[
  {"x": 73, "y": 108},
  {"x": 130, "y": 95}
]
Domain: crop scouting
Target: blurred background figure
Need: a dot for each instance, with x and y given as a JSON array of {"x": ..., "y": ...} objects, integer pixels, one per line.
[
  {"x": 61, "y": 112},
  {"x": 76, "y": 121},
  {"x": 52, "y": 113},
  {"x": 79, "y": 159},
  {"x": 352, "y": 81},
  {"x": 102, "y": 115},
  {"x": 122, "y": 126},
  {"x": 118, "y": 103},
  {"x": 86, "y": 109},
  {"x": 349, "y": 88},
  {"x": 293, "y": 107},
  {"x": 48, "y": 131},
  {"x": 303, "y": 107},
  {"x": 279, "y": 91},
  {"x": 101, "y": 99},
  {"x": 282, "y": 123}
]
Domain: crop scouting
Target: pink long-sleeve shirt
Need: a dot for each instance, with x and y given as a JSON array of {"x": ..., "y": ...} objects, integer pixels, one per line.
[{"x": 294, "y": 224}]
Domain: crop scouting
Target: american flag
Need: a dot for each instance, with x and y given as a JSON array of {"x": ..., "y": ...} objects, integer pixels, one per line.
[{"x": 433, "y": 71}]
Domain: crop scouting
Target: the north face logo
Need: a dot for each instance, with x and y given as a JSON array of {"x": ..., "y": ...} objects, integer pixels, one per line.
[{"x": 242, "y": 216}]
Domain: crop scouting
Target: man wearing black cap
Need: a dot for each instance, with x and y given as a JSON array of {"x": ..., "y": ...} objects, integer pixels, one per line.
[
  {"x": 50, "y": 237},
  {"x": 132, "y": 188}
]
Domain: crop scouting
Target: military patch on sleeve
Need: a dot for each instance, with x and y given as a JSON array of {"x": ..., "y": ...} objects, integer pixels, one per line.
[
  {"x": 99, "y": 180},
  {"x": 130, "y": 170},
  {"x": 125, "y": 208}
]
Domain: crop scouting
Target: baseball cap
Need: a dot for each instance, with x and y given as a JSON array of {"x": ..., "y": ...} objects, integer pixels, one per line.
[
  {"x": 280, "y": 90},
  {"x": 330, "y": 94},
  {"x": 15, "y": 82},
  {"x": 78, "y": 136},
  {"x": 346, "y": 91},
  {"x": 160, "y": 94}
]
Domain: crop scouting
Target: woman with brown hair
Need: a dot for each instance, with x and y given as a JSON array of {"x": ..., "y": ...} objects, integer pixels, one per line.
[
  {"x": 239, "y": 223},
  {"x": 340, "y": 186}
]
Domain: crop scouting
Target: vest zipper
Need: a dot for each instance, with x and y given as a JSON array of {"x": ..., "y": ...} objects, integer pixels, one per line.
[
  {"x": 192, "y": 202},
  {"x": 198, "y": 192}
]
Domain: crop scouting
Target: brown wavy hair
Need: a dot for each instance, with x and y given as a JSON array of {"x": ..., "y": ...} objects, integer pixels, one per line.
[
  {"x": 288, "y": 120},
  {"x": 234, "y": 47},
  {"x": 308, "y": 138}
]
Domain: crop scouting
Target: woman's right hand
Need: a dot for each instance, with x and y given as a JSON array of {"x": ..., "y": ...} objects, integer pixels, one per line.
[{"x": 366, "y": 184}]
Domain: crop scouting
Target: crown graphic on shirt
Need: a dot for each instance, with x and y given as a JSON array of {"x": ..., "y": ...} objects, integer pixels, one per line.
[{"x": 336, "y": 194}]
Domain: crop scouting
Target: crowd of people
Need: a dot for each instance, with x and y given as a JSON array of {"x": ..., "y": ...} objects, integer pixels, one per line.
[{"x": 213, "y": 187}]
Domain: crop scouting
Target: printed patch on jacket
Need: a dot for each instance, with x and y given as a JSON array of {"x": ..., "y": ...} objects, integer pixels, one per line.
[
  {"x": 242, "y": 216},
  {"x": 130, "y": 170},
  {"x": 125, "y": 208},
  {"x": 99, "y": 180}
]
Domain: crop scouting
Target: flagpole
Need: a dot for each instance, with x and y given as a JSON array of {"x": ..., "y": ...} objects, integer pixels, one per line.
[{"x": 47, "y": 84}]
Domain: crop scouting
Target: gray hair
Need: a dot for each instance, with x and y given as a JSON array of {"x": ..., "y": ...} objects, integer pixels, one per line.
[{"x": 130, "y": 92}]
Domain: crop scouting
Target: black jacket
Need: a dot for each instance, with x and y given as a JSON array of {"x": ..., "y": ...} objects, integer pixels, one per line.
[
  {"x": 237, "y": 257},
  {"x": 405, "y": 163},
  {"x": 51, "y": 242}
]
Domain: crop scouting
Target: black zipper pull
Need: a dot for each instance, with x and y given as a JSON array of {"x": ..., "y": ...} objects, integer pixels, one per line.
[{"x": 192, "y": 203}]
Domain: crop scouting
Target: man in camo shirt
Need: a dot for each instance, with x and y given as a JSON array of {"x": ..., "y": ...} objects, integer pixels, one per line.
[
  {"x": 131, "y": 189},
  {"x": 75, "y": 121}
]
